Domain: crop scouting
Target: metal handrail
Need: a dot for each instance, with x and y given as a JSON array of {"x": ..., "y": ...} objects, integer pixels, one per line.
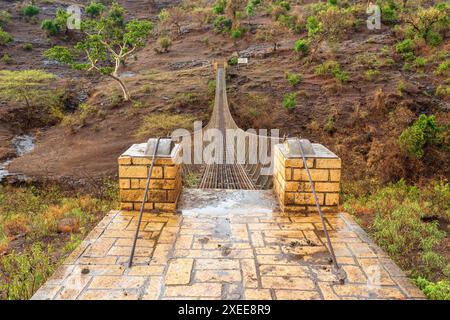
[
  {"x": 144, "y": 200},
  {"x": 339, "y": 272}
]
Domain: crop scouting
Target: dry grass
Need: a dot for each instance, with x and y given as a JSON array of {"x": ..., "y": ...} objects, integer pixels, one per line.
[{"x": 163, "y": 124}]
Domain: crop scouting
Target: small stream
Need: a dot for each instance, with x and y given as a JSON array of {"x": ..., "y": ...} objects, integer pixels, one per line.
[{"x": 23, "y": 145}]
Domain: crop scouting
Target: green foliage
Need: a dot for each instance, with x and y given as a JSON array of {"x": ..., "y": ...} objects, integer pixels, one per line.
[
  {"x": 301, "y": 46},
  {"x": 290, "y": 101},
  {"x": 422, "y": 132},
  {"x": 333, "y": 68},
  {"x": 406, "y": 49},
  {"x": 312, "y": 26},
  {"x": 59, "y": 24},
  {"x": 236, "y": 34},
  {"x": 429, "y": 24},
  {"x": 329, "y": 125},
  {"x": 399, "y": 228},
  {"x": 389, "y": 14},
  {"x": 165, "y": 43},
  {"x": 434, "y": 291},
  {"x": 30, "y": 11},
  {"x": 250, "y": 8},
  {"x": 222, "y": 24},
  {"x": 191, "y": 180},
  {"x": 5, "y": 37},
  {"x": 108, "y": 43},
  {"x": 294, "y": 78},
  {"x": 27, "y": 46},
  {"x": 5, "y": 18},
  {"x": 443, "y": 69},
  {"x": 371, "y": 74},
  {"x": 233, "y": 61},
  {"x": 6, "y": 59},
  {"x": 34, "y": 88},
  {"x": 219, "y": 7},
  {"x": 27, "y": 271},
  {"x": 95, "y": 9}
]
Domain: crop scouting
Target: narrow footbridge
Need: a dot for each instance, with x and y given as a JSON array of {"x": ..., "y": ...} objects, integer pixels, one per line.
[{"x": 236, "y": 164}]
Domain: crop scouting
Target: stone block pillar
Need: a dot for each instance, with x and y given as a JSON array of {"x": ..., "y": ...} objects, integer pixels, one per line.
[
  {"x": 291, "y": 183},
  {"x": 166, "y": 181}
]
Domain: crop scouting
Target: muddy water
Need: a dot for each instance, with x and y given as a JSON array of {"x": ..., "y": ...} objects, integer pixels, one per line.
[{"x": 23, "y": 144}]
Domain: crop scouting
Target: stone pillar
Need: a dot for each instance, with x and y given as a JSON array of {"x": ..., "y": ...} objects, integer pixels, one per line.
[
  {"x": 166, "y": 181},
  {"x": 290, "y": 179}
]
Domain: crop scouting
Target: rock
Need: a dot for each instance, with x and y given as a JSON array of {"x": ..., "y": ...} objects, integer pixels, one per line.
[{"x": 68, "y": 225}]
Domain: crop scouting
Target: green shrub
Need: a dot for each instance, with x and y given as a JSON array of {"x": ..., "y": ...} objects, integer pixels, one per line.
[
  {"x": 27, "y": 272},
  {"x": 372, "y": 74},
  {"x": 414, "y": 138},
  {"x": 50, "y": 27},
  {"x": 6, "y": 59},
  {"x": 389, "y": 14},
  {"x": 5, "y": 37},
  {"x": 219, "y": 7},
  {"x": 290, "y": 101},
  {"x": 434, "y": 291},
  {"x": 301, "y": 46},
  {"x": 222, "y": 24},
  {"x": 333, "y": 68},
  {"x": 30, "y": 11},
  {"x": 312, "y": 26},
  {"x": 5, "y": 18},
  {"x": 233, "y": 61},
  {"x": 27, "y": 46},
  {"x": 443, "y": 91},
  {"x": 420, "y": 62},
  {"x": 329, "y": 125},
  {"x": 165, "y": 43},
  {"x": 294, "y": 78},
  {"x": 443, "y": 69},
  {"x": 406, "y": 49},
  {"x": 236, "y": 34},
  {"x": 399, "y": 228},
  {"x": 95, "y": 9}
]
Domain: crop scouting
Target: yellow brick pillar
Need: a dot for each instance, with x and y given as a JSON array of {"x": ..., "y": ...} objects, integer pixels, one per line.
[
  {"x": 166, "y": 181},
  {"x": 291, "y": 183}
]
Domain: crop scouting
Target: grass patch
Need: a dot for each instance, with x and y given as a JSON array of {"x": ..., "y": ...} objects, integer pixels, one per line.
[
  {"x": 32, "y": 241},
  {"x": 163, "y": 124},
  {"x": 405, "y": 221}
]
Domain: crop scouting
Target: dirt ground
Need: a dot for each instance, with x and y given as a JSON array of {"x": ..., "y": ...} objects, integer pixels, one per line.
[{"x": 368, "y": 115}]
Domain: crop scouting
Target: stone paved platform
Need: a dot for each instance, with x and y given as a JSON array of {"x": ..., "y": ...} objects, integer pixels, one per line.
[{"x": 226, "y": 245}]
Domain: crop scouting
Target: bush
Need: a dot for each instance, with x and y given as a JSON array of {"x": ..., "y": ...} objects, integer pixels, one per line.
[
  {"x": 27, "y": 271},
  {"x": 329, "y": 125},
  {"x": 434, "y": 291},
  {"x": 301, "y": 46},
  {"x": 27, "y": 46},
  {"x": 30, "y": 11},
  {"x": 95, "y": 9},
  {"x": 290, "y": 101},
  {"x": 165, "y": 43},
  {"x": 222, "y": 24},
  {"x": 50, "y": 27},
  {"x": 406, "y": 49},
  {"x": 443, "y": 69},
  {"x": 6, "y": 59},
  {"x": 312, "y": 26},
  {"x": 333, "y": 68},
  {"x": 219, "y": 7},
  {"x": 236, "y": 34},
  {"x": 233, "y": 61},
  {"x": 5, "y": 18},
  {"x": 414, "y": 138},
  {"x": 399, "y": 228},
  {"x": 294, "y": 78},
  {"x": 5, "y": 37}
]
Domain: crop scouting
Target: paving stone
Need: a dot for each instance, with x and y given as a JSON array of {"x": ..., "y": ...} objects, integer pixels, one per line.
[
  {"x": 297, "y": 295},
  {"x": 116, "y": 282},
  {"x": 257, "y": 294},
  {"x": 217, "y": 276},
  {"x": 195, "y": 290},
  {"x": 202, "y": 256},
  {"x": 287, "y": 283},
  {"x": 179, "y": 271}
]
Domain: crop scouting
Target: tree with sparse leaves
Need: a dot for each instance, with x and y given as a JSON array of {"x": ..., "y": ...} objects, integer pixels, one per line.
[{"x": 108, "y": 42}]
